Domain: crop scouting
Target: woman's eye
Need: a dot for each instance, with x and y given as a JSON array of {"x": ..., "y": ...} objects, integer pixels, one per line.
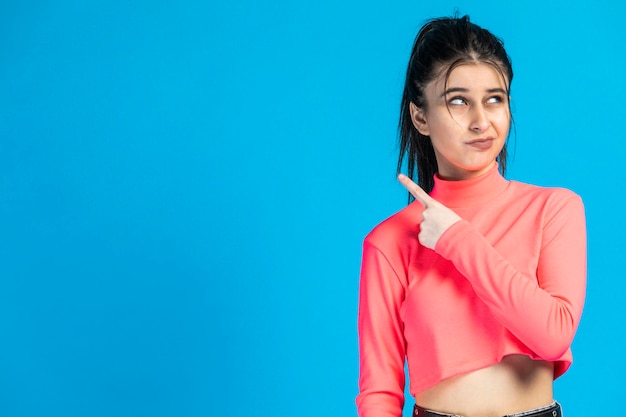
[
  {"x": 457, "y": 101},
  {"x": 495, "y": 99}
]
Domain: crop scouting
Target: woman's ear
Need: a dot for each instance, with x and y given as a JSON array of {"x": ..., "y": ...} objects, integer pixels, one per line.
[{"x": 418, "y": 117}]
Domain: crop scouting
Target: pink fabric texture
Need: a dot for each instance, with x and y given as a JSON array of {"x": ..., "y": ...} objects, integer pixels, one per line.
[{"x": 507, "y": 279}]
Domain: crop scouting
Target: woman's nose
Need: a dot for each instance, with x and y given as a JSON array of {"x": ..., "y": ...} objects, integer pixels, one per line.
[{"x": 479, "y": 121}]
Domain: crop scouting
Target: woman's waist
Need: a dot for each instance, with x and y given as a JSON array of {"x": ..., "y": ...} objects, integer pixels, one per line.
[
  {"x": 551, "y": 410},
  {"x": 515, "y": 384}
]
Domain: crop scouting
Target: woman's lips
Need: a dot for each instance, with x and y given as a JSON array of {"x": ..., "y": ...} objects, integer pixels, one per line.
[{"x": 480, "y": 144}]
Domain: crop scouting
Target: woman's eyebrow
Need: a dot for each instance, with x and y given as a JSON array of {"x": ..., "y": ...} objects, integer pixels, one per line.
[
  {"x": 454, "y": 90},
  {"x": 465, "y": 90}
]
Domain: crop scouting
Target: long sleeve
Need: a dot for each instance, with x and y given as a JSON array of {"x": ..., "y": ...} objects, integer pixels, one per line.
[
  {"x": 381, "y": 340},
  {"x": 543, "y": 311}
]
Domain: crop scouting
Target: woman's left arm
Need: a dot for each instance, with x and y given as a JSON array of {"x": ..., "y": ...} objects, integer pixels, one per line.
[{"x": 542, "y": 312}]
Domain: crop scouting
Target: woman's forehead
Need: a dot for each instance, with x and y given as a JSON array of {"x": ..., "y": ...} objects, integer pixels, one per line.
[{"x": 471, "y": 75}]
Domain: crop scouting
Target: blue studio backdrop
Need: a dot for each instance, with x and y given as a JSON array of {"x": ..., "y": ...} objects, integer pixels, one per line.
[{"x": 185, "y": 186}]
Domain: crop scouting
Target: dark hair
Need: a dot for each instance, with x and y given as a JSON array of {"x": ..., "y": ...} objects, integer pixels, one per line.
[{"x": 441, "y": 45}]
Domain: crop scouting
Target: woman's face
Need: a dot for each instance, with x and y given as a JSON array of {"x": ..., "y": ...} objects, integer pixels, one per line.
[{"x": 468, "y": 122}]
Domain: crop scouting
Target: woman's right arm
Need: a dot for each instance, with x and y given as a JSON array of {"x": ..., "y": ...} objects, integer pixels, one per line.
[{"x": 381, "y": 339}]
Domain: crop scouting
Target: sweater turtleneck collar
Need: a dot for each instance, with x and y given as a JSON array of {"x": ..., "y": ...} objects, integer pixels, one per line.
[{"x": 470, "y": 192}]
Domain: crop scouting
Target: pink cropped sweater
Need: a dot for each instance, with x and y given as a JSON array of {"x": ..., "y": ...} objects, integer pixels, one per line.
[{"x": 507, "y": 279}]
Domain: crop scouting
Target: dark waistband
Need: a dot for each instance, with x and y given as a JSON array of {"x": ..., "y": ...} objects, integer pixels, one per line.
[{"x": 553, "y": 410}]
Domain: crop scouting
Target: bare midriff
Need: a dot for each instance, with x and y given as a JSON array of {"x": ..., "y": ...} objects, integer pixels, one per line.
[{"x": 515, "y": 384}]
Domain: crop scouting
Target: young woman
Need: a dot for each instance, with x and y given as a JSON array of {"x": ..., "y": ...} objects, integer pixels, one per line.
[{"x": 480, "y": 282}]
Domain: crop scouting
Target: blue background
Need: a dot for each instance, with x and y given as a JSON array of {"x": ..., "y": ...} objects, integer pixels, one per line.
[{"x": 185, "y": 186}]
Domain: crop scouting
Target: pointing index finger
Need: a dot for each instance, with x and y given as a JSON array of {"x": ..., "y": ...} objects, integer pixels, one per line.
[{"x": 415, "y": 190}]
